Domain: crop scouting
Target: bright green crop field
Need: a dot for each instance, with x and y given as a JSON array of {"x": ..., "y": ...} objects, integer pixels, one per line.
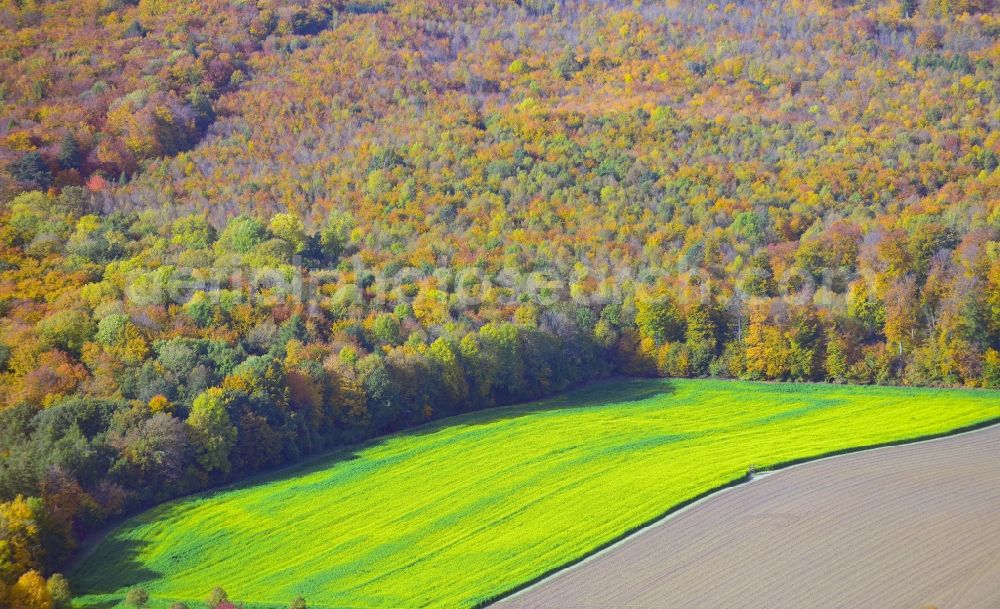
[{"x": 458, "y": 512}]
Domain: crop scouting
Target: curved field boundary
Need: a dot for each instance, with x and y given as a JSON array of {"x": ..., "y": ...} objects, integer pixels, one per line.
[
  {"x": 458, "y": 512},
  {"x": 606, "y": 566}
]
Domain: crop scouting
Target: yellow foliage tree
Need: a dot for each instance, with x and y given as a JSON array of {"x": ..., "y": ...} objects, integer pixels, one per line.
[
  {"x": 430, "y": 307},
  {"x": 160, "y": 403},
  {"x": 30, "y": 592},
  {"x": 20, "y": 544},
  {"x": 766, "y": 350}
]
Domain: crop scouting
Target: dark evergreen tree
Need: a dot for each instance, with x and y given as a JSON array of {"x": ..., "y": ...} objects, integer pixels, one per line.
[
  {"x": 69, "y": 156},
  {"x": 31, "y": 169}
]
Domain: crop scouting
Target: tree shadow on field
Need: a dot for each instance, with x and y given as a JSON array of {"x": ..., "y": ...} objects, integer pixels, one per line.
[
  {"x": 591, "y": 395},
  {"x": 111, "y": 565},
  {"x": 99, "y": 605}
]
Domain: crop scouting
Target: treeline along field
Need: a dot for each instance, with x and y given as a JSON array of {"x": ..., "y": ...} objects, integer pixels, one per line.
[{"x": 458, "y": 512}]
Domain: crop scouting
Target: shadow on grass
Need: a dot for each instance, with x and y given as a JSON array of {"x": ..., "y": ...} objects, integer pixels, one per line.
[
  {"x": 119, "y": 560},
  {"x": 602, "y": 393},
  {"x": 109, "y": 561},
  {"x": 100, "y": 605}
]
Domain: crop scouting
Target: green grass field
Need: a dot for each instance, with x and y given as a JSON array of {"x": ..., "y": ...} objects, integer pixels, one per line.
[{"x": 458, "y": 512}]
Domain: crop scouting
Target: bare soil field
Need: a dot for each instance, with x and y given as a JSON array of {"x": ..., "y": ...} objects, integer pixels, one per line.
[{"x": 905, "y": 527}]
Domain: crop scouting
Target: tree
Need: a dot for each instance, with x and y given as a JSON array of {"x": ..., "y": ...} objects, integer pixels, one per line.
[
  {"x": 758, "y": 278},
  {"x": 290, "y": 228},
  {"x": 242, "y": 234},
  {"x": 216, "y": 597},
  {"x": 445, "y": 357},
  {"x": 567, "y": 65},
  {"x": 991, "y": 369},
  {"x": 908, "y": 8},
  {"x": 69, "y": 156},
  {"x": 30, "y": 592},
  {"x": 385, "y": 329},
  {"x": 212, "y": 432},
  {"x": 59, "y": 590},
  {"x": 866, "y": 308},
  {"x": 749, "y": 226},
  {"x": 111, "y": 329},
  {"x": 605, "y": 333},
  {"x": 200, "y": 308},
  {"x": 804, "y": 343},
  {"x": 259, "y": 443},
  {"x": 31, "y": 169},
  {"x": 992, "y": 312},
  {"x": 154, "y": 287},
  {"x": 900, "y": 315},
  {"x": 430, "y": 307},
  {"x": 192, "y": 232},
  {"x": 957, "y": 7},
  {"x": 261, "y": 376},
  {"x": 767, "y": 353},
  {"x": 700, "y": 337},
  {"x": 501, "y": 346},
  {"x": 154, "y": 452},
  {"x": 21, "y": 548},
  {"x": 336, "y": 234},
  {"x": 659, "y": 319},
  {"x": 66, "y": 330},
  {"x": 135, "y": 30},
  {"x": 836, "y": 357},
  {"x": 122, "y": 338},
  {"x": 481, "y": 370},
  {"x": 137, "y": 597}
]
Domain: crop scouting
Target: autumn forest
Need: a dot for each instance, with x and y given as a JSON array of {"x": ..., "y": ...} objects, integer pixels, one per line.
[{"x": 236, "y": 234}]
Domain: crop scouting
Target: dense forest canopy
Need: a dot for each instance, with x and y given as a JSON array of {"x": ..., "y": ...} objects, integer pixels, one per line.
[{"x": 233, "y": 234}]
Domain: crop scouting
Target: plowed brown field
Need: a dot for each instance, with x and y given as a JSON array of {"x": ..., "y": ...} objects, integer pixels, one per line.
[{"x": 904, "y": 527}]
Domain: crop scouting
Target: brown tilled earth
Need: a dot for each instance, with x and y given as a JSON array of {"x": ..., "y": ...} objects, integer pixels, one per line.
[{"x": 907, "y": 527}]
